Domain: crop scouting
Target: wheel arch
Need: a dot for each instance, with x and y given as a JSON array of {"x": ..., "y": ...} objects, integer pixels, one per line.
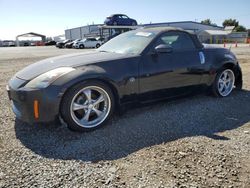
[
  {"x": 237, "y": 72},
  {"x": 103, "y": 80},
  {"x": 234, "y": 66}
]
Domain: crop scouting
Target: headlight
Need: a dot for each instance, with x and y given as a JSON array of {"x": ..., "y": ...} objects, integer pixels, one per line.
[{"x": 45, "y": 79}]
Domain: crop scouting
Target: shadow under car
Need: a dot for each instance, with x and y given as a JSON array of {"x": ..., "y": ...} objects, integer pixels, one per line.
[{"x": 139, "y": 128}]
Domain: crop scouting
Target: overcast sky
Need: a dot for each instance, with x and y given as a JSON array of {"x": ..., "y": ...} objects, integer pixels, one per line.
[{"x": 52, "y": 17}]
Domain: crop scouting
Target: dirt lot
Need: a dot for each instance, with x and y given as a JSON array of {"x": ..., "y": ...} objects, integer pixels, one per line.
[{"x": 193, "y": 142}]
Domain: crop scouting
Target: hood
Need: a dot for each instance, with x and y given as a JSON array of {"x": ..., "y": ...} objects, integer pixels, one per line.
[{"x": 71, "y": 60}]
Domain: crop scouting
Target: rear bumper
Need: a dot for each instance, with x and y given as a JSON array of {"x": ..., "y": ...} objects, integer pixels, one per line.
[{"x": 23, "y": 103}]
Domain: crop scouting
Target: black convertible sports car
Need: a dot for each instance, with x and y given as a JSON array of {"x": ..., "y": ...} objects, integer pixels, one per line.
[
  {"x": 62, "y": 44},
  {"x": 141, "y": 65}
]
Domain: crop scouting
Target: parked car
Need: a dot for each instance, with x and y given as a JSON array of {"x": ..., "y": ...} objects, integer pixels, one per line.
[
  {"x": 138, "y": 66},
  {"x": 26, "y": 44},
  {"x": 61, "y": 44},
  {"x": 32, "y": 43},
  {"x": 8, "y": 43},
  {"x": 70, "y": 44},
  {"x": 120, "y": 19},
  {"x": 102, "y": 39},
  {"x": 87, "y": 43},
  {"x": 50, "y": 43}
]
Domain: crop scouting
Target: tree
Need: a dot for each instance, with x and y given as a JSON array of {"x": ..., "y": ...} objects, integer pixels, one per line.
[
  {"x": 240, "y": 28},
  {"x": 235, "y": 23},
  {"x": 208, "y": 22},
  {"x": 230, "y": 22}
]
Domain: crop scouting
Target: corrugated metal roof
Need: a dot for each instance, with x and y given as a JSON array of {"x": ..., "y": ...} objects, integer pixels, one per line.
[
  {"x": 216, "y": 32},
  {"x": 181, "y": 22},
  {"x": 229, "y": 28}
]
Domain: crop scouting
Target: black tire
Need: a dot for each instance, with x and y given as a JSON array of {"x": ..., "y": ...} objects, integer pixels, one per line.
[
  {"x": 215, "y": 85},
  {"x": 97, "y": 45},
  {"x": 81, "y": 46},
  {"x": 65, "y": 109}
]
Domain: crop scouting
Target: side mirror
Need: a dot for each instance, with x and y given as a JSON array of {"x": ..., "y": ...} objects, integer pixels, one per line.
[{"x": 163, "y": 48}]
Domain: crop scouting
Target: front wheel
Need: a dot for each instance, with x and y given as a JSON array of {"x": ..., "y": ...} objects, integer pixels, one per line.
[
  {"x": 224, "y": 83},
  {"x": 97, "y": 45},
  {"x": 87, "y": 106},
  {"x": 81, "y": 46}
]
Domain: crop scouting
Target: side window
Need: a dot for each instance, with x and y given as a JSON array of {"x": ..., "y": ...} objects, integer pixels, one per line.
[
  {"x": 124, "y": 17},
  {"x": 177, "y": 40}
]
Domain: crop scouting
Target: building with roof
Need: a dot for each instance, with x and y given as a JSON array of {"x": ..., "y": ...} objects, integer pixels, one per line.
[
  {"x": 27, "y": 35},
  {"x": 81, "y": 32},
  {"x": 206, "y": 33},
  {"x": 238, "y": 37},
  {"x": 213, "y": 36},
  {"x": 187, "y": 25}
]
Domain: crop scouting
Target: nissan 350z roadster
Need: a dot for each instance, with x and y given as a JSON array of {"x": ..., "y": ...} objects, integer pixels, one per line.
[{"x": 147, "y": 64}]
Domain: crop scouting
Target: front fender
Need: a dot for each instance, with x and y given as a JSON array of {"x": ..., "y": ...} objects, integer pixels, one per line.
[{"x": 79, "y": 75}]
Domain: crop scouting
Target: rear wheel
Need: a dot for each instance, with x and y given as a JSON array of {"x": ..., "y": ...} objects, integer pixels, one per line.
[
  {"x": 134, "y": 23},
  {"x": 87, "y": 106},
  {"x": 115, "y": 23},
  {"x": 224, "y": 83},
  {"x": 97, "y": 45},
  {"x": 81, "y": 46}
]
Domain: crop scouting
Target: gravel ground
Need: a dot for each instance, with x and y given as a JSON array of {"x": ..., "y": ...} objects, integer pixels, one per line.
[{"x": 198, "y": 141}]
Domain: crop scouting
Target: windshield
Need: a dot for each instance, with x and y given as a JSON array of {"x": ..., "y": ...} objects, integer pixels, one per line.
[{"x": 132, "y": 42}]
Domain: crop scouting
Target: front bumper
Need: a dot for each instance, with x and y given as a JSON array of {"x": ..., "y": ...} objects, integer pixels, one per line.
[
  {"x": 75, "y": 46},
  {"x": 60, "y": 45},
  {"x": 23, "y": 102}
]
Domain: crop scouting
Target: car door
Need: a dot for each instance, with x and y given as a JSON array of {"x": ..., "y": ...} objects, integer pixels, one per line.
[
  {"x": 91, "y": 43},
  {"x": 87, "y": 43},
  {"x": 125, "y": 20},
  {"x": 94, "y": 42},
  {"x": 117, "y": 19},
  {"x": 172, "y": 73}
]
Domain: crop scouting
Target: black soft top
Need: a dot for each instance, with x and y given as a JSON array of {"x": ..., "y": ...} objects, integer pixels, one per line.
[{"x": 159, "y": 30}]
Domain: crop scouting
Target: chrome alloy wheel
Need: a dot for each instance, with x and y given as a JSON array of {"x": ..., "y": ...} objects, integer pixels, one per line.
[
  {"x": 90, "y": 106},
  {"x": 226, "y": 82}
]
